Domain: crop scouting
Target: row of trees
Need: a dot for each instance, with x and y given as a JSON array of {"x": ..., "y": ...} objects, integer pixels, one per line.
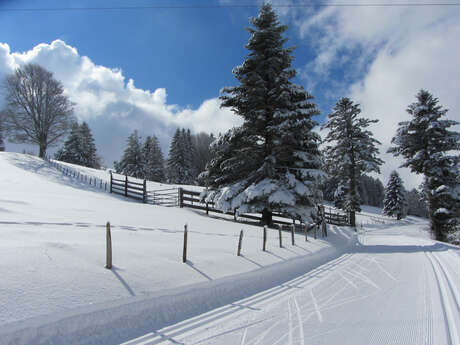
[
  {"x": 272, "y": 162},
  {"x": 188, "y": 155}
]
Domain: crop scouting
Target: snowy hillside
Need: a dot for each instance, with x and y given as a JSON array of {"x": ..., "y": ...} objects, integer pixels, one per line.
[
  {"x": 388, "y": 283},
  {"x": 52, "y": 244}
]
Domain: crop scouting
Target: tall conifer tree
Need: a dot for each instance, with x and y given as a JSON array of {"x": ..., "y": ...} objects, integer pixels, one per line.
[
  {"x": 353, "y": 149},
  {"x": 153, "y": 160},
  {"x": 272, "y": 162},
  {"x": 132, "y": 163},
  {"x": 395, "y": 200},
  {"x": 431, "y": 149}
]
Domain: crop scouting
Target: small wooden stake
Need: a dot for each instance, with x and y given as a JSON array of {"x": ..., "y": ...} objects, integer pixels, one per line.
[
  {"x": 240, "y": 242},
  {"x": 316, "y": 229},
  {"x": 306, "y": 229},
  {"x": 280, "y": 236},
  {"x": 184, "y": 252},
  {"x": 292, "y": 234},
  {"x": 264, "y": 247},
  {"x": 109, "y": 247}
]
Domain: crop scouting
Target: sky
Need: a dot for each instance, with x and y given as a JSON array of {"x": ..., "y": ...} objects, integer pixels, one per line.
[{"x": 161, "y": 65}]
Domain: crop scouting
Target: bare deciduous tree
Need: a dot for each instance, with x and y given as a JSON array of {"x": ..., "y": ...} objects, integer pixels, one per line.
[{"x": 37, "y": 111}]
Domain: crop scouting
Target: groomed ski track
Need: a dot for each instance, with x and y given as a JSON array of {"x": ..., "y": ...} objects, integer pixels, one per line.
[{"x": 389, "y": 288}]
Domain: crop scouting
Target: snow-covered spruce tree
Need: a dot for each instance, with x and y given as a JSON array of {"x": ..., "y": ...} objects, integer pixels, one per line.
[
  {"x": 88, "y": 150},
  {"x": 352, "y": 149},
  {"x": 180, "y": 163},
  {"x": 276, "y": 164},
  {"x": 79, "y": 148},
  {"x": 132, "y": 163},
  {"x": 153, "y": 160},
  {"x": 395, "y": 202},
  {"x": 431, "y": 149}
]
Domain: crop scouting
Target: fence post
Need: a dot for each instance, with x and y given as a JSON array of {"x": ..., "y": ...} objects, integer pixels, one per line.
[
  {"x": 110, "y": 181},
  {"x": 292, "y": 234},
  {"x": 207, "y": 210},
  {"x": 323, "y": 224},
  {"x": 126, "y": 185},
  {"x": 280, "y": 236},
  {"x": 306, "y": 230},
  {"x": 181, "y": 195},
  {"x": 184, "y": 251},
  {"x": 240, "y": 241},
  {"x": 144, "y": 192},
  {"x": 108, "y": 247},
  {"x": 316, "y": 229},
  {"x": 264, "y": 246}
]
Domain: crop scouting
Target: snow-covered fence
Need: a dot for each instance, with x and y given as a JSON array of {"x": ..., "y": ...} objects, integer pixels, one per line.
[
  {"x": 336, "y": 218},
  {"x": 128, "y": 188},
  {"x": 77, "y": 175},
  {"x": 191, "y": 199}
]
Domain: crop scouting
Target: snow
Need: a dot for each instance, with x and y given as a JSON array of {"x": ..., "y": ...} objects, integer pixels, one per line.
[
  {"x": 389, "y": 283},
  {"x": 52, "y": 253}
]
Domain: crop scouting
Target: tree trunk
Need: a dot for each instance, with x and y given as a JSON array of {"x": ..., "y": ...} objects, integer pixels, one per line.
[
  {"x": 267, "y": 217},
  {"x": 42, "y": 152},
  {"x": 352, "y": 218}
]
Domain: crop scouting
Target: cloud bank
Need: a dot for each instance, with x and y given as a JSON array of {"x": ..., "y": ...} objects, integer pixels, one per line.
[
  {"x": 112, "y": 105},
  {"x": 381, "y": 57}
]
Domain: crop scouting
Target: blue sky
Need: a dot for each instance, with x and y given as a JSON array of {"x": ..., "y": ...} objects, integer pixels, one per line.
[{"x": 156, "y": 69}]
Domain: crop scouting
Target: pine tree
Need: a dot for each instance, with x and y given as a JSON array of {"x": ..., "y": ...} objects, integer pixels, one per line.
[
  {"x": 272, "y": 162},
  {"x": 431, "y": 149},
  {"x": 180, "y": 162},
  {"x": 353, "y": 149},
  {"x": 132, "y": 163},
  {"x": 88, "y": 148},
  {"x": 79, "y": 148},
  {"x": 71, "y": 150},
  {"x": 153, "y": 160},
  {"x": 395, "y": 201},
  {"x": 202, "y": 156}
]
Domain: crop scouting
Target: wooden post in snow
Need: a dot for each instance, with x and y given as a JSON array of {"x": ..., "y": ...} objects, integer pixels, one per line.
[
  {"x": 306, "y": 229},
  {"x": 292, "y": 234},
  {"x": 184, "y": 251},
  {"x": 240, "y": 242},
  {"x": 144, "y": 192},
  {"x": 264, "y": 246},
  {"x": 126, "y": 185},
  {"x": 108, "y": 264},
  {"x": 280, "y": 236}
]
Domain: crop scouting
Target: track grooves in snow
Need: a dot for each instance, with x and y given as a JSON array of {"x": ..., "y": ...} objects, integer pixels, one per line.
[{"x": 447, "y": 295}]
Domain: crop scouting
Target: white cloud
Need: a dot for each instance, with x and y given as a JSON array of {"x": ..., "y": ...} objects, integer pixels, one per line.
[
  {"x": 112, "y": 106},
  {"x": 385, "y": 55}
]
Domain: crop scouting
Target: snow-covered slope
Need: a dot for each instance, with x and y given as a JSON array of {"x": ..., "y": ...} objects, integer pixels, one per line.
[{"x": 52, "y": 252}]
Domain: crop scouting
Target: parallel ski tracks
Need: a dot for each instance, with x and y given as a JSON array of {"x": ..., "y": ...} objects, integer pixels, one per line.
[{"x": 449, "y": 297}]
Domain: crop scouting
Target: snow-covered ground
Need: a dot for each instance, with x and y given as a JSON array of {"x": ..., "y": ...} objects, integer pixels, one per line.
[{"x": 390, "y": 284}]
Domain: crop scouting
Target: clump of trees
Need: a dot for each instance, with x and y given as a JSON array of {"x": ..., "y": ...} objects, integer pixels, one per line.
[
  {"x": 37, "y": 111},
  {"x": 394, "y": 203},
  {"x": 80, "y": 148},
  {"x": 272, "y": 161},
  {"x": 430, "y": 148},
  {"x": 351, "y": 153}
]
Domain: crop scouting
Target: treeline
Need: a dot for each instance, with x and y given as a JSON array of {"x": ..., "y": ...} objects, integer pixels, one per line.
[{"x": 188, "y": 156}]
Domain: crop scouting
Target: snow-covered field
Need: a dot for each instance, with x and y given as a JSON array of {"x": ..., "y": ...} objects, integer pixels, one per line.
[{"x": 390, "y": 284}]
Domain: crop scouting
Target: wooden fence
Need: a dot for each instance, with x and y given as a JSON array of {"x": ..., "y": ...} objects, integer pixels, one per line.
[
  {"x": 70, "y": 172},
  {"x": 163, "y": 197},
  {"x": 191, "y": 199},
  {"x": 336, "y": 218},
  {"x": 123, "y": 186}
]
